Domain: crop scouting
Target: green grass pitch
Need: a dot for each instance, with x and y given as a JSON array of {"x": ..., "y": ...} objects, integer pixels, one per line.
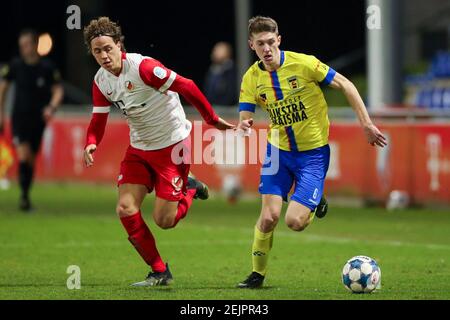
[{"x": 209, "y": 251}]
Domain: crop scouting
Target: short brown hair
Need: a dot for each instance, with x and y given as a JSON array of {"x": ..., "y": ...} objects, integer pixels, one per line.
[
  {"x": 261, "y": 24},
  {"x": 102, "y": 27}
]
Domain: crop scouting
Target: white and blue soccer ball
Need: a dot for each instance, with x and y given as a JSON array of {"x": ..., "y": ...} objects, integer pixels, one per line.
[{"x": 361, "y": 274}]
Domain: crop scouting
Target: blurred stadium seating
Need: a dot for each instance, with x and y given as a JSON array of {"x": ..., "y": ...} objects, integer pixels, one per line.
[{"x": 432, "y": 89}]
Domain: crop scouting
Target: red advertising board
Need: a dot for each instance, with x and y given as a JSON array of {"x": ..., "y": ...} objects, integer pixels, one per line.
[{"x": 416, "y": 160}]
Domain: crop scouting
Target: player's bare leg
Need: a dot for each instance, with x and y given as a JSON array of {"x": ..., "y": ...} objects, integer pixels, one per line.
[
  {"x": 26, "y": 159},
  {"x": 131, "y": 197},
  {"x": 263, "y": 239},
  {"x": 270, "y": 212},
  {"x": 165, "y": 212},
  {"x": 298, "y": 216}
]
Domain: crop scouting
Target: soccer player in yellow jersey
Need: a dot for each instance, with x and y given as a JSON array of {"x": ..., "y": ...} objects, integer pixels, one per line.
[{"x": 287, "y": 85}]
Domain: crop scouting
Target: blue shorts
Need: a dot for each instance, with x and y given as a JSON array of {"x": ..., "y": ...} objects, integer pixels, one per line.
[{"x": 307, "y": 169}]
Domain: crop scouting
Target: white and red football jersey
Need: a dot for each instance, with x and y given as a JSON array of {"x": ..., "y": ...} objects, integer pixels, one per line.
[{"x": 146, "y": 93}]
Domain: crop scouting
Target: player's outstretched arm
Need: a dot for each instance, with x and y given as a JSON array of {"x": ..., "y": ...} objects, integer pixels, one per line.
[
  {"x": 55, "y": 101},
  {"x": 373, "y": 135},
  {"x": 223, "y": 125},
  {"x": 154, "y": 74},
  {"x": 94, "y": 135},
  {"x": 97, "y": 126},
  {"x": 189, "y": 90}
]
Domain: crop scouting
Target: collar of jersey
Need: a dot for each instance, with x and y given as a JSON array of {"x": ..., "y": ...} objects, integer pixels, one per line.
[{"x": 261, "y": 64}]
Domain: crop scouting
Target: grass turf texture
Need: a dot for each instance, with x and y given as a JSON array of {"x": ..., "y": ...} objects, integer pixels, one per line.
[{"x": 209, "y": 251}]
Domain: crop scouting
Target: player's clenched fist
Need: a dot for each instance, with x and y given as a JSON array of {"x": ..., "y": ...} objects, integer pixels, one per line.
[
  {"x": 88, "y": 158},
  {"x": 244, "y": 127}
]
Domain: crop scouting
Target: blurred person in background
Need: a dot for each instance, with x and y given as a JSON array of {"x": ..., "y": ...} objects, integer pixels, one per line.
[
  {"x": 287, "y": 84},
  {"x": 147, "y": 94},
  {"x": 220, "y": 88},
  {"x": 38, "y": 94},
  {"x": 220, "y": 81}
]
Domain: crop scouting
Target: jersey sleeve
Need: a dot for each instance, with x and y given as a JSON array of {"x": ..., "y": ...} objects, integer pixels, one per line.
[
  {"x": 190, "y": 91},
  {"x": 55, "y": 76},
  {"x": 99, "y": 118},
  {"x": 247, "y": 96},
  {"x": 100, "y": 102},
  {"x": 318, "y": 71},
  {"x": 156, "y": 75}
]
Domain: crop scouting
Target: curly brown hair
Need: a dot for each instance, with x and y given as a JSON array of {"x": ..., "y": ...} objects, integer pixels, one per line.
[
  {"x": 261, "y": 24},
  {"x": 103, "y": 26}
]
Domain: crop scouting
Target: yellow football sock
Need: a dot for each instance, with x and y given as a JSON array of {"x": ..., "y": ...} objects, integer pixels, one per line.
[
  {"x": 311, "y": 216},
  {"x": 262, "y": 243}
]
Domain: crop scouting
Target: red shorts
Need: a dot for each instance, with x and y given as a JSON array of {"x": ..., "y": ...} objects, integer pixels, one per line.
[{"x": 161, "y": 170}]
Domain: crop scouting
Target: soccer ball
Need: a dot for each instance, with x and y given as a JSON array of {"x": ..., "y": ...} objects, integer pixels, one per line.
[{"x": 361, "y": 274}]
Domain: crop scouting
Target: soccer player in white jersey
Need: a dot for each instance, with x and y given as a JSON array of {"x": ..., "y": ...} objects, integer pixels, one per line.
[{"x": 147, "y": 94}]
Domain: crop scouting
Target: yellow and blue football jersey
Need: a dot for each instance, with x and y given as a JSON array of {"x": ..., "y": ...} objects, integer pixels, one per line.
[{"x": 293, "y": 99}]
